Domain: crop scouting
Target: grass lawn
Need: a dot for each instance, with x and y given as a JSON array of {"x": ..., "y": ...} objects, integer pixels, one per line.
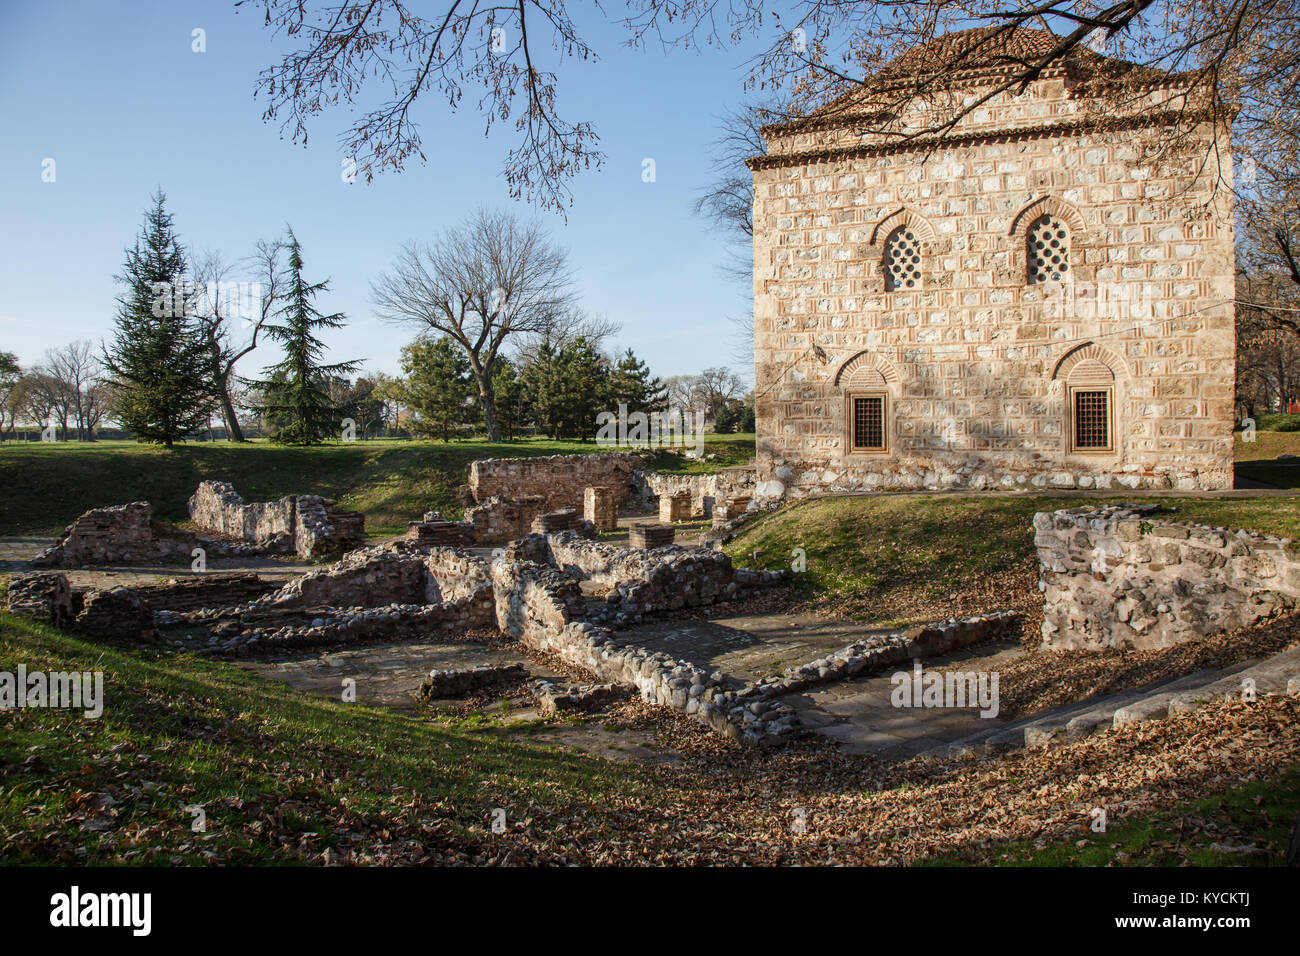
[
  {"x": 282, "y": 776},
  {"x": 897, "y": 559},
  {"x": 48, "y": 485},
  {"x": 1258, "y": 459},
  {"x": 286, "y": 778}
]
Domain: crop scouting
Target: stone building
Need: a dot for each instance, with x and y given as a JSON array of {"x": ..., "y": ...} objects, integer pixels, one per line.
[{"x": 1032, "y": 297}]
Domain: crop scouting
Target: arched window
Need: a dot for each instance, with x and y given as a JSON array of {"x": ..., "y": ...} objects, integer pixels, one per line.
[
  {"x": 1048, "y": 242},
  {"x": 902, "y": 261}
]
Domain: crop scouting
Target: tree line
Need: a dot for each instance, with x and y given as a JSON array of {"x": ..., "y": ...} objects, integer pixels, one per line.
[{"x": 501, "y": 348}]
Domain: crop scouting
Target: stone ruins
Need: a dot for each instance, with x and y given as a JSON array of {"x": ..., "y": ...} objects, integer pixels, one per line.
[
  {"x": 1124, "y": 576},
  {"x": 306, "y": 525}
]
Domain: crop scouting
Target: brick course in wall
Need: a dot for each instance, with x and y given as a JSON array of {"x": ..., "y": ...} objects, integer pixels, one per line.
[{"x": 974, "y": 362}]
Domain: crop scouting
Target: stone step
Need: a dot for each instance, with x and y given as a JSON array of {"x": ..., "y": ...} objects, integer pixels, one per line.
[{"x": 1277, "y": 674}]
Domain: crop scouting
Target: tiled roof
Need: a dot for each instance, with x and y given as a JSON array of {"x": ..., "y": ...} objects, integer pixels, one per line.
[{"x": 973, "y": 55}]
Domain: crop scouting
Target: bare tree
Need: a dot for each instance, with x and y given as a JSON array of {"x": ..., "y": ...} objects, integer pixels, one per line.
[
  {"x": 220, "y": 303},
  {"x": 563, "y": 329},
  {"x": 491, "y": 46},
  {"x": 715, "y": 387},
  {"x": 73, "y": 379},
  {"x": 491, "y": 282},
  {"x": 1234, "y": 57}
]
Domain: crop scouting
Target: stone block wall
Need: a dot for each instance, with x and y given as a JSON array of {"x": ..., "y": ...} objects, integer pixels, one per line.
[
  {"x": 307, "y": 525},
  {"x": 974, "y": 359},
  {"x": 322, "y": 529},
  {"x": 216, "y": 507},
  {"x": 497, "y": 519},
  {"x": 559, "y": 480},
  {"x": 1129, "y": 576},
  {"x": 674, "y": 507},
  {"x": 368, "y": 577},
  {"x": 706, "y": 491}
]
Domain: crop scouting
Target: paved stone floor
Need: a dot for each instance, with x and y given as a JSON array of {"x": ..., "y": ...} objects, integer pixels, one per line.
[
  {"x": 859, "y": 716},
  {"x": 750, "y": 646},
  {"x": 386, "y": 675}
]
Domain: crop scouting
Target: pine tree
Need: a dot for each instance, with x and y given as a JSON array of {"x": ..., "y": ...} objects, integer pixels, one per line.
[
  {"x": 439, "y": 386},
  {"x": 631, "y": 384},
  {"x": 296, "y": 389},
  {"x": 158, "y": 359}
]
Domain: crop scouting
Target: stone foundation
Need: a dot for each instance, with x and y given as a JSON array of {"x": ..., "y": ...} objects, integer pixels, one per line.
[
  {"x": 1126, "y": 576},
  {"x": 307, "y": 525},
  {"x": 45, "y": 596},
  {"x": 461, "y": 683}
]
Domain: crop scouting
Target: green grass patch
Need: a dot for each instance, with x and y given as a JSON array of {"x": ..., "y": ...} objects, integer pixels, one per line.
[
  {"x": 865, "y": 552},
  {"x": 48, "y": 485},
  {"x": 281, "y": 775}
]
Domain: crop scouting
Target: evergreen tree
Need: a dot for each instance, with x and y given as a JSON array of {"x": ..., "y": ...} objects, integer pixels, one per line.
[
  {"x": 511, "y": 398},
  {"x": 567, "y": 388},
  {"x": 297, "y": 389},
  {"x": 158, "y": 362},
  {"x": 439, "y": 386},
  {"x": 631, "y": 384}
]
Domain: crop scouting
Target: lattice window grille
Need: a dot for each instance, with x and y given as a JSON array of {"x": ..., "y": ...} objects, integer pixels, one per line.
[
  {"x": 1049, "y": 250},
  {"x": 902, "y": 261}
]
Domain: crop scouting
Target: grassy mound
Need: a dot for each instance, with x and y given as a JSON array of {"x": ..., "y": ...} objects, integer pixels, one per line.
[
  {"x": 47, "y": 485},
  {"x": 901, "y": 559}
]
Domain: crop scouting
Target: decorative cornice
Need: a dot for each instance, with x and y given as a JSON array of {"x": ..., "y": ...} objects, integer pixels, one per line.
[{"x": 928, "y": 143}]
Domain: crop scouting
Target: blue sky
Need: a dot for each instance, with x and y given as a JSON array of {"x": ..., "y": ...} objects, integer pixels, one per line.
[{"x": 114, "y": 95}]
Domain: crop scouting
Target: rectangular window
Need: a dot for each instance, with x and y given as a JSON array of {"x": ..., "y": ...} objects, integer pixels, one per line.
[
  {"x": 1092, "y": 420},
  {"x": 868, "y": 425}
]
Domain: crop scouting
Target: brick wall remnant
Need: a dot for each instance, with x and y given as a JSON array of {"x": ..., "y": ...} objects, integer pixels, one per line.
[
  {"x": 553, "y": 522},
  {"x": 116, "y": 614},
  {"x": 560, "y": 480},
  {"x": 307, "y": 525},
  {"x": 675, "y": 507},
  {"x": 600, "y": 508},
  {"x": 118, "y": 533},
  {"x": 1129, "y": 576},
  {"x": 648, "y": 535}
]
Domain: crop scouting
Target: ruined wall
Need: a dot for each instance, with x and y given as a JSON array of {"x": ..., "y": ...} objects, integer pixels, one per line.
[
  {"x": 118, "y": 533},
  {"x": 307, "y": 525},
  {"x": 542, "y": 607},
  {"x": 707, "y": 491},
  {"x": 217, "y": 508},
  {"x": 558, "y": 479},
  {"x": 1125, "y": 576},
  {"x": 973, "y": 358},
  {"x": 498, "y": 519}
]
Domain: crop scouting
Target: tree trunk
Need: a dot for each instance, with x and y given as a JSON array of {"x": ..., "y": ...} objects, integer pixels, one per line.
[
  {"x": 233, "y": 431},
  {"x": 488, "y": 400}
]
